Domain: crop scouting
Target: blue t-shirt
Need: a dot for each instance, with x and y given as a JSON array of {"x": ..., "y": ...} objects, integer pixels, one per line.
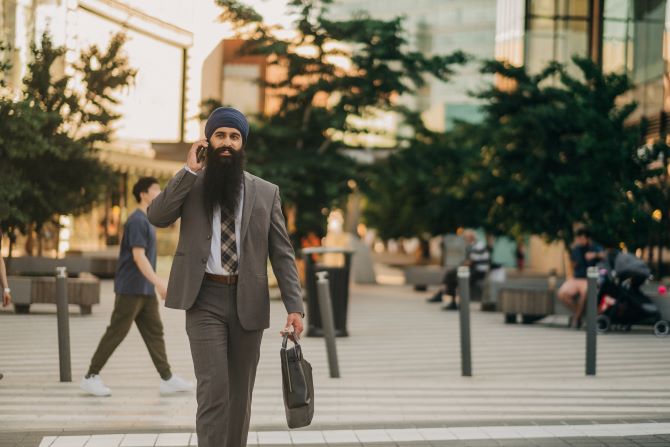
[
  {"x": 578, "y": 257},
  {"x": 137, "y": 232}
]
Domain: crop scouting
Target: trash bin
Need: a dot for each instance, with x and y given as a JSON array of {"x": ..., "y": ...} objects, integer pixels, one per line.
[{"x": 338, "y": 278}]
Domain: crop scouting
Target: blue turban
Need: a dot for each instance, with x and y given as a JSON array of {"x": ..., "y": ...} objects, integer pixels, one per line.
[{"x": 227, "y": 117}]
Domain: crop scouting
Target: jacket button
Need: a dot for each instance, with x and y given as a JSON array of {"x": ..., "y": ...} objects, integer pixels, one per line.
[
  {"x": 209, "y": 237},
  {"x": 204, "y": 260}
]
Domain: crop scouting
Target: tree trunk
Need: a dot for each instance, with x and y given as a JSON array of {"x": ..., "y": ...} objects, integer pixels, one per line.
[
  {"x": 39, "y": 237},
  {"x": 30, "y": 240},
  {"x": 12, "y": 239}
]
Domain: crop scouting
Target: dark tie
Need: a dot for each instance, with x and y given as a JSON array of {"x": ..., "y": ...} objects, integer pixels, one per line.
[{"x": 228, "y": 245}]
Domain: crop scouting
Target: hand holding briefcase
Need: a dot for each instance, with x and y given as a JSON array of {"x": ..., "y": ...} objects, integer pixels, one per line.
[{"x": 297, "y": 385}]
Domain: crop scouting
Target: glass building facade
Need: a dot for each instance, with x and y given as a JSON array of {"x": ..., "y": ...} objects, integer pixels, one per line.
[
  {"x": 623, "y": 36},
  {"x": 438, "y": 27}
]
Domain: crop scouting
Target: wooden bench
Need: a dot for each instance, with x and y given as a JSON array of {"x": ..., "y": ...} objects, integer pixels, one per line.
[
  {"x": 27, "y": 290},
  {"x": 102, "y": 267},
  {"x": 533, "y": 298},
  {"x": 421, "y": 276}
]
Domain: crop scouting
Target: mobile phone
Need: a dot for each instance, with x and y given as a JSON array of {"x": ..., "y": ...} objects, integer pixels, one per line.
[{"x": 201, "y": 153}]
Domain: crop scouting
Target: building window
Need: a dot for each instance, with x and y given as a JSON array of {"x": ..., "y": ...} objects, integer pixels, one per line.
[
  {"x": 556, "y": 31},
  {"x": 633, "y": 44},
  {"x": 241, "y": 87}
]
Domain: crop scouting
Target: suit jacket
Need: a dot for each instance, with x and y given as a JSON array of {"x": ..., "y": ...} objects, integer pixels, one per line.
[{"x": 263, "y": 235}]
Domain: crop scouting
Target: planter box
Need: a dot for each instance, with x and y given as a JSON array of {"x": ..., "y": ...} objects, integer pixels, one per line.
[{"x": 27, "y": 290}]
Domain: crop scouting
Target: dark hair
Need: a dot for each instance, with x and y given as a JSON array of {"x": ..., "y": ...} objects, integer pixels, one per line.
[
  {"x": 583, "y": 232},
  {"x": 143, "y": 185}
]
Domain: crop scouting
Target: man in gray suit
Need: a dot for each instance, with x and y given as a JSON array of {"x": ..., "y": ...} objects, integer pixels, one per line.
[{"x": 231, "y": 223}]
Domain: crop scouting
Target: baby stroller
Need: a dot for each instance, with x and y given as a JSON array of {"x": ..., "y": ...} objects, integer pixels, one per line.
[{"x": 621, "y": 302}]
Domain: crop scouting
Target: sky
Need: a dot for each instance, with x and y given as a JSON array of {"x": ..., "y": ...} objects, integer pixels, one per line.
[{"x": 273, "y": 11}]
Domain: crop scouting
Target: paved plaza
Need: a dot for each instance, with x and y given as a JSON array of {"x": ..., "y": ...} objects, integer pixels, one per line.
[{"x": 400, "y": 383}]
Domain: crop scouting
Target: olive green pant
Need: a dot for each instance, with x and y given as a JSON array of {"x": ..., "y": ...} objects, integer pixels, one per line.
[{"x": 143, "y": 310}]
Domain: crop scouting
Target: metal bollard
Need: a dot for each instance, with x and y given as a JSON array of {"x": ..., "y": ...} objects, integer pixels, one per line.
[
  {"x": 591, "y": 316},
  {"x": 326, "y": 307},
  {"x": 63, "y": 325},
  {"x": 464, "y": 314}
]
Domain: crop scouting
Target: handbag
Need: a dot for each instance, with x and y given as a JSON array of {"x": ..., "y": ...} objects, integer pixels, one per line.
[{"x": 297, "y": 385}]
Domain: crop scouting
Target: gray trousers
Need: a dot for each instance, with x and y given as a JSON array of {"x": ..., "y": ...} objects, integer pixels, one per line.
[{"x": 225, "y": 357}]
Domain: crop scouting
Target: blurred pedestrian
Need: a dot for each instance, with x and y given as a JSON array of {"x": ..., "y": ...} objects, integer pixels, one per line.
[
  {"x": 584, "y": 254},
  {"x": 6, "y": 291},
  {"x": 520, "y": 254},
  {"x": 135, "y": 284},
  {"x": 478, "y": 258}
]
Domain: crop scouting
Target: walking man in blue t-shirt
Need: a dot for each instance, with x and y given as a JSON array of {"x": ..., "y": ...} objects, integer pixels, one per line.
[{"x": 134, "y": 286}]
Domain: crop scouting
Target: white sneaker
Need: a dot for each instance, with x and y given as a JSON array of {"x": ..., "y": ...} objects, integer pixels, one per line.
[
  {"x": 94, "y": 385},
  {"x": 175, "y": 384}
]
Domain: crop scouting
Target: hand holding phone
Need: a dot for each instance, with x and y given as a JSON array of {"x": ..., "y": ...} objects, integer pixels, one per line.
[
  {"x": 202, "y": 152},
  {"x": 197, "y": 155}
]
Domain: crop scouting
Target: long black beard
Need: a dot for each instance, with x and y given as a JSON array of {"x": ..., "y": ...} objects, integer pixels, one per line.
[{"x": 223, "y": 179}]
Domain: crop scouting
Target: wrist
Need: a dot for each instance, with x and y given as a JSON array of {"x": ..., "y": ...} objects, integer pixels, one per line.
[{"x": 191, "y": 169}]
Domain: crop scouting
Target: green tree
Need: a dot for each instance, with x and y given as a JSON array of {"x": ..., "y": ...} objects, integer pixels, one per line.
[
  {"x": 300, "y": 146},
  {"x": 559, "y": 151},
  {"x": 49, "y": 133},
  {"x": 428, "y": 187}
]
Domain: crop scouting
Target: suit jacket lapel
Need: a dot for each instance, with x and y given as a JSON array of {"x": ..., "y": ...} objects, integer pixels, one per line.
[
  {"x": 249, "y": 196},
  {"x": 198, "y": 191}
]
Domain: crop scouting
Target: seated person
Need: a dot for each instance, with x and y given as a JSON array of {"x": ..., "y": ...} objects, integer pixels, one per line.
[
  {"x": 585, "y": 253},
  {"x": 477, "y": 257}
]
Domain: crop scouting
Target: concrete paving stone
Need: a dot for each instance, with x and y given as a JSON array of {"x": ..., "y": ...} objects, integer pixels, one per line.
[
  {"x": 173, "y": 439},
  {"x": 252, "y": 438},
  {"x": 452, "y": 443},
  {"x": 70, "y": 441},
  {"x": 106, "y": 441},
  {"x": 340, "y": 437},
  {"x": 437, "y": 434},
  {"x": 586, "y": 443},
  {"x": 29, "y": 440},
  {"x": 274, "y": 438},
  {"x": 139, "y": 440},
  {"x": 518, "y": 442},
  {"x": 47, "y": 441},
  {"x": 482, "y": 443},
  {"x": 469, "y": 433},
  {"x": 404, "y": 435},
  {"x": 307, "y": 437},
  {"x": 505, "y": 433},
  {"x": 413, "y": 444},
  {"x": 373, "y": 436}
]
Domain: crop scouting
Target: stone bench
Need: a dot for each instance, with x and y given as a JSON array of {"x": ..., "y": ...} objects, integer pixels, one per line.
[
  {"x": 27, "y": 290},
  {"x": 102, "y": 267},
  {"x": 421, "y": 276},
  {"x": 533, "y": 298}
]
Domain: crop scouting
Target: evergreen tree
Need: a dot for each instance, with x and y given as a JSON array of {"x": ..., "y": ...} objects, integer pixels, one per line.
[
  {"x": 48, "y": 135},
  {"x": 335, "y": 71}
]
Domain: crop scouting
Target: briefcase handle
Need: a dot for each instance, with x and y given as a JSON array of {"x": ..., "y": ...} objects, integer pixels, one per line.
[{"x": 285, "y": 339}]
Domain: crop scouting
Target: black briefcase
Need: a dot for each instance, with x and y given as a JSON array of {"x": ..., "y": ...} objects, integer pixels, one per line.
[{"x": 297, "y": 385}]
